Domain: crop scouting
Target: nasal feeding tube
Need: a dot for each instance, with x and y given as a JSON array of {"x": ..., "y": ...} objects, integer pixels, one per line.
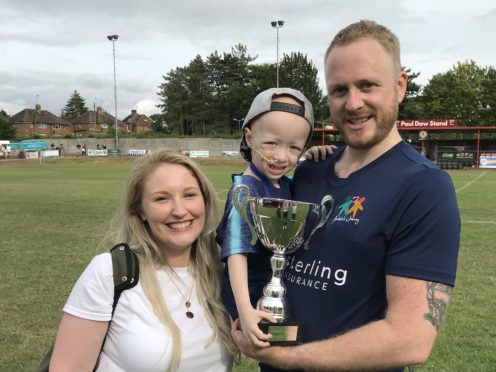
[{"x": 268, "y": 160}]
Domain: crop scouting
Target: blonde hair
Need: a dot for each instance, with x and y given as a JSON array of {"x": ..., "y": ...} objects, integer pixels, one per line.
[
  {"x": 204, "y": 264},
  {"x": 369, "y": 29}
]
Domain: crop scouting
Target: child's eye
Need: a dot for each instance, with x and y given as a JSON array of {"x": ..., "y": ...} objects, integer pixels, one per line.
[{"x": 190, "y": 195}]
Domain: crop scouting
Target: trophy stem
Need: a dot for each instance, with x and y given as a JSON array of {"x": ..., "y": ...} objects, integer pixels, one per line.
[{"x": 274, "y": 299}]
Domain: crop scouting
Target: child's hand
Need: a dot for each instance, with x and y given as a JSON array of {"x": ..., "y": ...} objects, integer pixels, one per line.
[
  {"x": 319, "y": 152},
  {"x": 249, "y": 320}
]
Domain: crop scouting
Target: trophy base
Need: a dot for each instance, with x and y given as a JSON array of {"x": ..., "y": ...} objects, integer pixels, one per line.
[{"x": 285, "y": 333}]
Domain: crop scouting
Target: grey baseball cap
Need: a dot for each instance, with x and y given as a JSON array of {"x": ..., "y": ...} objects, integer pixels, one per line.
[{"x": 263, "y": 103}]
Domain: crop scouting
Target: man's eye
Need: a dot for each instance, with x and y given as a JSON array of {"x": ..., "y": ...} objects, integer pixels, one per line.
[
  {"x": 338, "y": 91},
  {"x": 367, "y": 86}
]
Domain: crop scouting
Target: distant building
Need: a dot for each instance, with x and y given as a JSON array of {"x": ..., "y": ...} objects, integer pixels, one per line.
[
  {"x": 138, "y": 123},
  {"x": 29, "y": 122},
  {"x": 96, "y": 121}
]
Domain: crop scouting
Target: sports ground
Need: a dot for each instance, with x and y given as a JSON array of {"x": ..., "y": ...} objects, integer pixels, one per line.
[{"x": 55, "y": 214}]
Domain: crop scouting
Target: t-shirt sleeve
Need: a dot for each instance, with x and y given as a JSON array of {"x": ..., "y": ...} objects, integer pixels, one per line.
[
  {"x": 235, "y": 234},
  {"x": 93, "y": 294},
  {"x": 423, "y": 229}
]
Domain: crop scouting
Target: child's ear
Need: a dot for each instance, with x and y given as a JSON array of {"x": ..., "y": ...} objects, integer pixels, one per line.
[{"x": 248, "y": 136}]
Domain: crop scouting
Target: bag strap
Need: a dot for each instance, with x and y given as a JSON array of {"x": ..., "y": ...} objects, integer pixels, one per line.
[{"x": 125, "y": 268}]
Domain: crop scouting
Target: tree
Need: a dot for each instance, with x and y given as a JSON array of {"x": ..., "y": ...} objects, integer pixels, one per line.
[
  {"x": 230, "y": 77},
  {"x": 411, "y": 107},
  {"x": 297, "y": 72},
  {"x": 159, "y": 124},
  {"x": 7, "y": 130},
  {"x": 488, "y": 97},
  {"x": 74, "y": 107},
  {"x": 173, "y": 94},
  {"x": 456, "y": 94}
]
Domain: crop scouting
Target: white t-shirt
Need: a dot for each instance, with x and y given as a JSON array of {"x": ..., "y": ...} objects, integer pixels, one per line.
[{"x": 137, "y": 341}]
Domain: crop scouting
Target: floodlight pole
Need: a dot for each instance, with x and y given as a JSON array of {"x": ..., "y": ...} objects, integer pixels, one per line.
[
  {"x": 113, "y": 39},
  {"x": 277, "y": 25}
]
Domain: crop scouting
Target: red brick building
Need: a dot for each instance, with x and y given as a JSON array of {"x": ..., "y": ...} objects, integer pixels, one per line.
[
  {"x": 138, "y": 123},
  {"x": 96, "y": 121},
  {"x": 29, "y": 122}
]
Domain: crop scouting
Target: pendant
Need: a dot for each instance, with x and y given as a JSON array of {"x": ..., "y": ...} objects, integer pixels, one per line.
[{"x": 189, "y": 314}]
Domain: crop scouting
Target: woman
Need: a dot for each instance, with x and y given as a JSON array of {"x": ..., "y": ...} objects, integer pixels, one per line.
[{"x": 173, "y": 319}]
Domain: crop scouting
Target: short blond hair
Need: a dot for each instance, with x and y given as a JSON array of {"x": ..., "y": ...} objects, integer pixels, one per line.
[{"x": 368, "y": 29}]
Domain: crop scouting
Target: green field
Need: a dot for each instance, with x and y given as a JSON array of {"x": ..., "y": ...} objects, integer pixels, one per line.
[{"x": 54, "y": 215}]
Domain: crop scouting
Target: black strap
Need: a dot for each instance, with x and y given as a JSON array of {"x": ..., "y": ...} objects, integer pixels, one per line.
[
  {"x": 125, "y": 268},
  {"x": 287, "y": 107}
]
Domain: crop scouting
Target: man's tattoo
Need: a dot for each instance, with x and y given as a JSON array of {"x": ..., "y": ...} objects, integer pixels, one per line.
[{"x": 437, "y": 305}]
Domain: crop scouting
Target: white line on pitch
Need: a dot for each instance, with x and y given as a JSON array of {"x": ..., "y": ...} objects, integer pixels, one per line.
[
  {"x": 471, "y": 182},
  {"x": 481, "y": 222}
]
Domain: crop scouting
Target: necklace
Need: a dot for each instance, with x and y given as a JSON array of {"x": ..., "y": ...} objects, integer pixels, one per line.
[{"x": 187, "y": 300}]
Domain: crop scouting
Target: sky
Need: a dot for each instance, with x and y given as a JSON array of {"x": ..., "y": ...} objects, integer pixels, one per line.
[{"x": 50, "y": 48}]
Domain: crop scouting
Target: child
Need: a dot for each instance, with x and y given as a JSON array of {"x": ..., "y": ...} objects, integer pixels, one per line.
[{"x": 276, "y": 130}]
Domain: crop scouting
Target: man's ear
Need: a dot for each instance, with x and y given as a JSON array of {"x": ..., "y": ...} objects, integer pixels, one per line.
[
  {"x": 401, "y": 85},
  {"x": 248, "y": 136}
]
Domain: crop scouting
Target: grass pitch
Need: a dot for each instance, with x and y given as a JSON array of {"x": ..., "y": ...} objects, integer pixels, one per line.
[{"x": 54, "y": 214}]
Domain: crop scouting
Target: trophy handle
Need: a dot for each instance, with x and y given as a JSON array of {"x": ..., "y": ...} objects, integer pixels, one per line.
[
  {"x": 327, "y": 204},
  {"x": 241, "y": 208}
]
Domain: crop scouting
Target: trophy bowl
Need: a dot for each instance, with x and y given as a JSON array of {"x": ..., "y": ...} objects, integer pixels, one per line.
[{"x": 282, "y": 226}]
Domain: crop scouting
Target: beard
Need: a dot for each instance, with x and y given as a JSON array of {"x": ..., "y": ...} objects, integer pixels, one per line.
[{"x": 384, "y": 122}]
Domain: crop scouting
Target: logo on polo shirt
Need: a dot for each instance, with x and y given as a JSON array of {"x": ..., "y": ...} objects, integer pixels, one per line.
[{"x": 350, "y": 209}]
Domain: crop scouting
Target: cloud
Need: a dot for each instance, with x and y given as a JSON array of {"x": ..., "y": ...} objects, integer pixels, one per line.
[{"x": 51, "y": 47}]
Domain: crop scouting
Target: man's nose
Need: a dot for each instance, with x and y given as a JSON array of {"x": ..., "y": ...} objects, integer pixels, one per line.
[{"x": 354, "y": 100}]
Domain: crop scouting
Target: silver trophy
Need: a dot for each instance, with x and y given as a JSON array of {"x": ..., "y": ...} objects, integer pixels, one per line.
[{"x": 282, "y": 226}]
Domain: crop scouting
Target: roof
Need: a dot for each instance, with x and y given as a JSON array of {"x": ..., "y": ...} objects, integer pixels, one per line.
[
  {"x": 37, "y": 116},
  {"x": 96, "y": 116},
  {"x": 138, "y": 119}
]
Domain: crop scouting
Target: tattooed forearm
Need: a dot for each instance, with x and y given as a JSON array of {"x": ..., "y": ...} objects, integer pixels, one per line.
[{"x": 437, "y": 300}]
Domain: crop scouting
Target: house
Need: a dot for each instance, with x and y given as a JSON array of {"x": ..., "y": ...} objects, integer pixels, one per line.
[
  {"x": 29, "y": 122},
  {"x": 96, "y": 121},
  {"x": 138, "y": 123}
]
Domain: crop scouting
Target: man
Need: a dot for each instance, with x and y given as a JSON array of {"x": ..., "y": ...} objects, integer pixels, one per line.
[{"x": 373, "y": 288}]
